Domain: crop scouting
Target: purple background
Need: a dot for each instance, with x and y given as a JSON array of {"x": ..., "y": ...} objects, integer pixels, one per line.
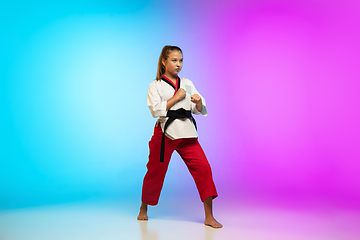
[{"x": 282, "y": 79}]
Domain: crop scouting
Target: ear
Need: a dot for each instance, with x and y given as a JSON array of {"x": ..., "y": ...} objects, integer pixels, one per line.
[{"x": 163, "y": 62}]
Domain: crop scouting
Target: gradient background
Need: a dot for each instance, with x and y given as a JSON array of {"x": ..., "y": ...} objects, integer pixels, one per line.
[{"x": 281, "y": 80}]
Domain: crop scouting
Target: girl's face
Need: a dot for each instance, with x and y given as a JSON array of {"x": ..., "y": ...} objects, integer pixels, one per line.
[{"x": 173, "y": 63}]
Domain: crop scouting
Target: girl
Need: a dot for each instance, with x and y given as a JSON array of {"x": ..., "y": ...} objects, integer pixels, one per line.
[{"x": 172, "y": 99}]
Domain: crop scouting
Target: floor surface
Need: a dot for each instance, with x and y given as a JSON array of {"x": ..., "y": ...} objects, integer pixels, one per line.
[{"x": 115, "y": 221}]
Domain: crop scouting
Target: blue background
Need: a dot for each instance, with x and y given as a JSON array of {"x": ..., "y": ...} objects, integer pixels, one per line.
[{"x": 280, "y": 78}]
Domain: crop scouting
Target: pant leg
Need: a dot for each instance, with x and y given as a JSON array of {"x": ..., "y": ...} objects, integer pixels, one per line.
[
  {"x": 154, "y": 178},
  {"x": 199, "y": 167}
]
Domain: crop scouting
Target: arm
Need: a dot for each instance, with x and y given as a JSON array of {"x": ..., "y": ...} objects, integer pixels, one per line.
[
  {"x": 157, "y": 106},
  {"x": 198, "y": 102},
  {"x": 195, "y": 98},
  {"x": 154, "y": 101},
  {"x": 180, "y": 94}
]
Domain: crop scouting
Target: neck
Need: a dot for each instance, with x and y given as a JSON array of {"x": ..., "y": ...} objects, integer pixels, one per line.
[{"x": 171, "y": 77}]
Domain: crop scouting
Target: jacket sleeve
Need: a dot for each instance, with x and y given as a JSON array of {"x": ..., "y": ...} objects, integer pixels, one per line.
[
  {"x": 193, "y": 105},
  {"x": 156, "y": 105}
]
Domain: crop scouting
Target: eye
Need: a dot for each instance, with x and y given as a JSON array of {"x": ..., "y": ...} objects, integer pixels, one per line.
[{"x": 181, "y": 60}]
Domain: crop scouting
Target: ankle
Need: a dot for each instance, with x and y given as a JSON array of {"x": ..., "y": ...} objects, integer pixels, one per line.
[
  {"x": 144, "y": 207},
  {"x": 209, "y": 217}
]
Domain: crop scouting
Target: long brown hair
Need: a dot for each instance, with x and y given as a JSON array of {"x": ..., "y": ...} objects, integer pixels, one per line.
[{"x": 164, "y": 55}]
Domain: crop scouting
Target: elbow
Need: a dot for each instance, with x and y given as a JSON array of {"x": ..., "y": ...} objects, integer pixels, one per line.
[
  {"x": 156, "y": 114},
  {"x": 158, "y": 110},
  {"x": 204, "y": 111}
]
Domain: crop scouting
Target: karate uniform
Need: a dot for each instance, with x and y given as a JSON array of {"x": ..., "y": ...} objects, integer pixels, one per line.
[{"x": 180, "y": 135}]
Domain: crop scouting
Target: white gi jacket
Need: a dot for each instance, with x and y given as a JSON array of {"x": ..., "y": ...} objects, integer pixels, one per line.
[{"x": 161, "y": 91}]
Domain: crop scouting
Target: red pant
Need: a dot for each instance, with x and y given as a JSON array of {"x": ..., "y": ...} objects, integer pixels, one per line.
[{"x": 194, "y": 157}]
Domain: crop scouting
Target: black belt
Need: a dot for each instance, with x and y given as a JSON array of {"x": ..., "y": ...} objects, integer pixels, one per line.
[{"x": 172, "y": 115}]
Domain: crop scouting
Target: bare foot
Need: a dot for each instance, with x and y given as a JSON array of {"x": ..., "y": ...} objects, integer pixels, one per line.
[
  {"x": 211, "y": 221},
  {"x": 209, "y": 218},
  {"x": 143, "y": 213}
]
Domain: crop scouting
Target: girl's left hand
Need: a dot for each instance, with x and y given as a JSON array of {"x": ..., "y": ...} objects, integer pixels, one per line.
[{"x": 195, "y": 98}]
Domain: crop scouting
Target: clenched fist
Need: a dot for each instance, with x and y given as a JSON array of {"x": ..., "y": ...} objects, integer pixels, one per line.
[
  {"x": 180, "y": 94},
  {"x": 195, "y": 98}
]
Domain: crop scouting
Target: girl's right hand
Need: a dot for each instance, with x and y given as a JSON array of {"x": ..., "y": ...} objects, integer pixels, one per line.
[{"x": 180, "y": 94}]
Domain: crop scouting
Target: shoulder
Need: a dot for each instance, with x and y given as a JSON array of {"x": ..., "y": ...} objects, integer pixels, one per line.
[
  {"x": 155, "y": 84},
  {"x": 186, "y": 81}
]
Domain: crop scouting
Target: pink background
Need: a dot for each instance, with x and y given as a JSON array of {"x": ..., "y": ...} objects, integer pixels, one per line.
[{"x": 281, "y": 80}]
